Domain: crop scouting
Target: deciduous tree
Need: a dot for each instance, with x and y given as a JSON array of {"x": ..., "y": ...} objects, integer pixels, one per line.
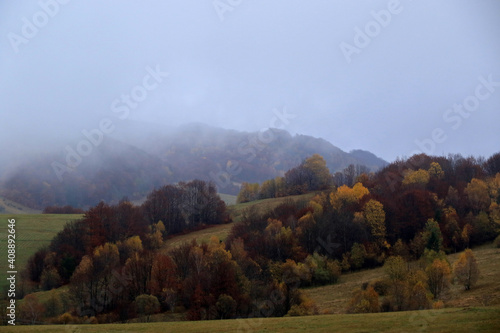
[
  {"x": 420, "y": 178},
  {"x": 478, "y": 194},
  {"x": 466, "y": 269},
  {"x": 146, "y": 305},
  {"x": 436, "y": 171},
  {"x": 226, "y": 306},
  {"x": 438, "y": 277},
  {"x": 395, "y": 268},
  {"x": 364, "y": 301},
  {"x": 375, "y": 218},
  {"x": 31, "y": 311}
]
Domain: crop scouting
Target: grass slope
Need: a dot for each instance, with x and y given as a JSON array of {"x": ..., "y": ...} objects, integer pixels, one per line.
[
  {"x": 33, "y": 231},
  {"x": 486, "y": 319},
  {"x": 236, "y": 211},
  {"x": 10, "y": 207},
  {"x": 334, "y": 298}
]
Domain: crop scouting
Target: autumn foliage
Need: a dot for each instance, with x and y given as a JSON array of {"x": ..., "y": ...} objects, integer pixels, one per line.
[
  {"x": 466, "y": 269},
  {"x": 116, "y": 264}
]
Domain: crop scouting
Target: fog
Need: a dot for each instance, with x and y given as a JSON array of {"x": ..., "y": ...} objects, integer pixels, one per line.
[{"x": 385, "y": 76}]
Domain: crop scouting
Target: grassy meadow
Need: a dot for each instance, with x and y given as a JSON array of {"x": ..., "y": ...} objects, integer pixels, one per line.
[
  {"x": 471, "y": 319},
  {"x": 333, "y": 299},
  {"x": 33, "y": 231}
]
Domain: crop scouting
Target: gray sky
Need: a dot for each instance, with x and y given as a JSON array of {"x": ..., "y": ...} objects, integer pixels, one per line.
[{"x": 65, "y": 67}]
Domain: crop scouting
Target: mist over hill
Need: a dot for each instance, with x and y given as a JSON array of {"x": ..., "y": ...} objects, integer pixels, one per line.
[{"x": 135, "y": 158}]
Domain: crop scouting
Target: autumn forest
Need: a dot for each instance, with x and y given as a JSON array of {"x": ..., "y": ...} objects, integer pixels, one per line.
[{"x": 115, "y": 266}]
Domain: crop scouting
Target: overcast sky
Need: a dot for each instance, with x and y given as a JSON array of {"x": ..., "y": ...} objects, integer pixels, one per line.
[{"x": 344, "y": 76}]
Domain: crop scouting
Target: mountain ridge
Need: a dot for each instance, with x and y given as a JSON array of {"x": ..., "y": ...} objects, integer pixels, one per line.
[{"x": 128, "y": 164}]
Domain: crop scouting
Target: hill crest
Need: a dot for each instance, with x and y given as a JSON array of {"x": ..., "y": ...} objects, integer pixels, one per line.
[{"x": 136, "y": 158}]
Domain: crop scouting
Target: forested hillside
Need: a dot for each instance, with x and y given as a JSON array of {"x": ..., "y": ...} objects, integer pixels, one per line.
[
  {"x": 131, "y": 165},
  {"x": 418, "y": 208}
]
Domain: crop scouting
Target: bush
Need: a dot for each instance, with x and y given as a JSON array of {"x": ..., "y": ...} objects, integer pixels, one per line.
[
  {"x": 399, "y": 296},
  {"x": 226, "y": 307},
  {"x": 497, "y": 241},
  {"x": 334, "y": 269},
  {"x": 438, "y": 305},
  {"x": 67, "y": 318},
  {"x": 303, "y": 305},
  {"x": 382, "y": 287},
  {"x": 395, "y": 268},
  {"x": 50, "y": 279},
  {"x": 364, "y": 301},
  {"x": 146, "y": 305},
  {"x": 420, "y": 298},
  {"x": 304, "y": 309}
]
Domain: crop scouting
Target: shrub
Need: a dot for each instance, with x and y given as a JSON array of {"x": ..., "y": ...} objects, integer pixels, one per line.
[
  {"x": 306, "y": 307},
  {"x": 364, "y": 301},
  {"x": 438, "y": 305},
  {"x": 420, "y": 298},
  {"x": 399, "y": 296},
  {"x": 334, "y": 270},
  {"x": 345, "y": 265},
  {"x": 395, "y": 268},
  {"x": 497, "y": 241},
  {"x": 146, "y": 305},
  {"x": 382, "y": 286},
  {"x": 67, "y": 318},
  {"x": 226, "y": 306}
]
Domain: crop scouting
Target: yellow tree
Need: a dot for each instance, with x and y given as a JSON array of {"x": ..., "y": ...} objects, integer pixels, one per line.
[
  {"x": 248, "y": 192},
  {"x": 495, "y": 212},
  {"x": 317, "y": 208},
  {"x": 466, "y": 269},
  {"x": 375, "y": 218},
  {"x": 342, "y": 200},
  {"x": 343, "y": 197},
  {"x": 360, "y": 191},
  {"x": 438, "y": 277},
  {"x": 320, "y": 177},
  {"x": 494, "y": 188},
  {"x": 435, "y": 170},
  {"x": 478, "y": 194},
  {"x": 420, "y": 177},
  {"x": 395, "y": 268},
  {"x": 129, "y": 246}
]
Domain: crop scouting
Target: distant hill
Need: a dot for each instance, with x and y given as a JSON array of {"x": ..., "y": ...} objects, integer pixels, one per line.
[
  {"x": 129, "y": 163},
  {"x": 10, "y": 207},
  {"x": 247, "y": 156}
]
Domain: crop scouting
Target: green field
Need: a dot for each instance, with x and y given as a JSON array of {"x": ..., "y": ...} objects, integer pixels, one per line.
[
  {"x": 485, "y": 319},
  {"x": 33, "y": 231}
]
